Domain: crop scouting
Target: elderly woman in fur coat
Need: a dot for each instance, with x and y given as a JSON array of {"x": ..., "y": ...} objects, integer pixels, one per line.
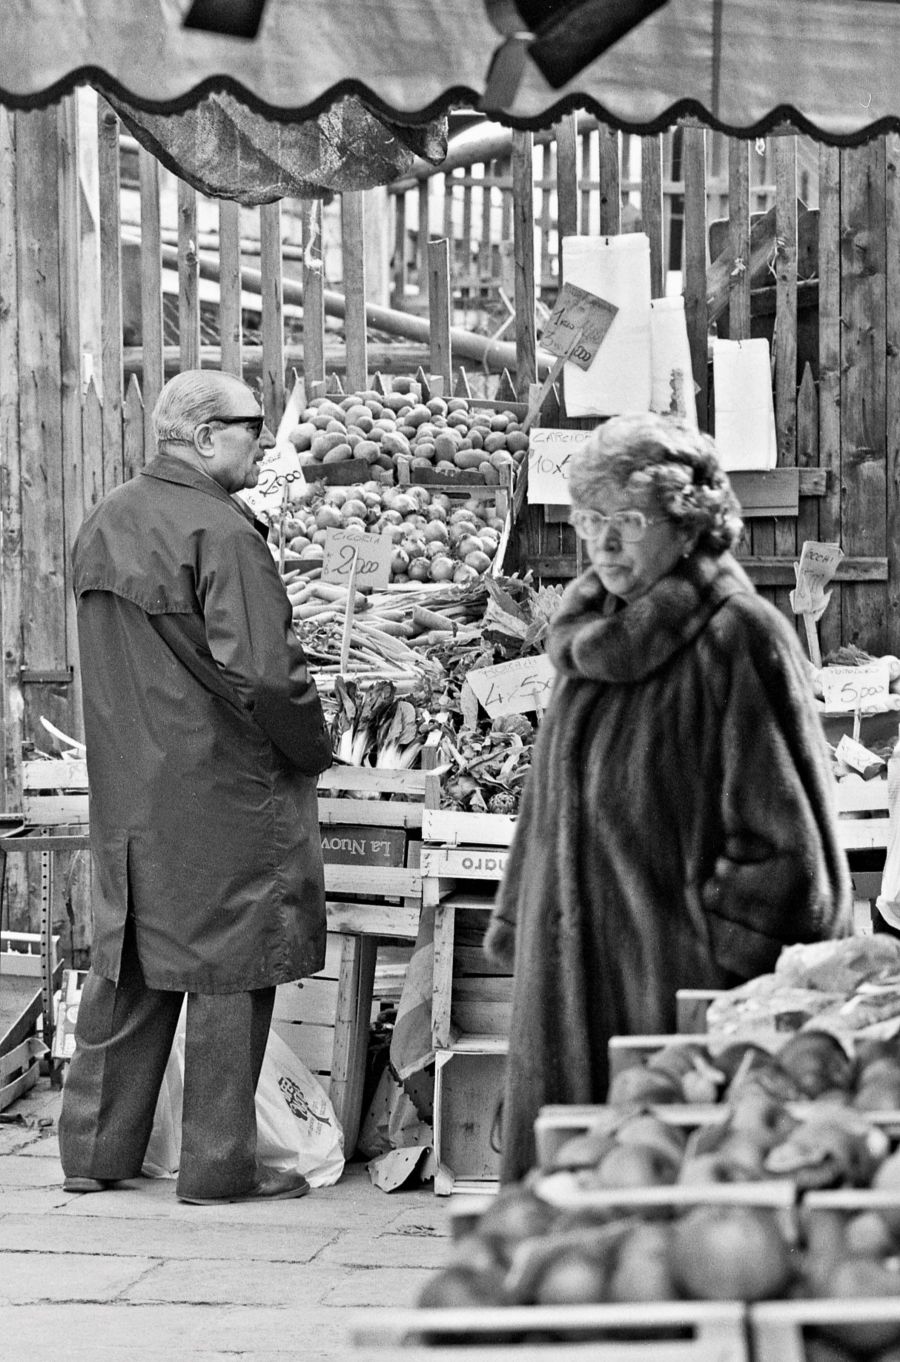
[{"x": 677, "y": 829}]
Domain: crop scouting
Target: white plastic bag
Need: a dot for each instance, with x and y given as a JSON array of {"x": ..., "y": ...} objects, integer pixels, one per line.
[{"x": 297, "y": 1129}]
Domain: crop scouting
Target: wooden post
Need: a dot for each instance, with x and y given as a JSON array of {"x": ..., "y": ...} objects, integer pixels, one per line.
[
  {"x": 11, "y": 567},
  {"x": 892, "y": 386},
  {"x": 739, "y": 238},
  {"x": 272, "y": 313},
  {"x": 353, "y": 250},
  {"x": 566, "y": 132},
  {"x": 111, "y": 367},
  {"x": 829, "y": 398},
  {"x": 652, "y": 211},
  {"x": 523, "y": 258},
  {"x": 153, "y": 374},
  {"x": 423, "y": 236},
  {"x": 231, "y": 332},
  {"x": 695, "y": 261},
  {"x": 439, "y": 310},
  {"x": 188, "y": 279},
  {"x": 610, "y": 183},
  {"x": 398, "y": 292},
  {"x": 862, "y": 311},
  {"x": 313, "y": 294},
  {"x": 785, "y": 339}
]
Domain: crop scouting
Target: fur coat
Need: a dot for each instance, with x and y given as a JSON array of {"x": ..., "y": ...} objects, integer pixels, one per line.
[{"x": 677, "y": 829}]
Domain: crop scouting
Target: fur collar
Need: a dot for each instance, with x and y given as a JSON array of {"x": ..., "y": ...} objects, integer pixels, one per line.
[{"x": 640, "y": 638}]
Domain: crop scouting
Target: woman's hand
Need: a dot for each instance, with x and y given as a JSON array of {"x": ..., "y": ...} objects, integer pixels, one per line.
[{"x": 500, "y": 943}]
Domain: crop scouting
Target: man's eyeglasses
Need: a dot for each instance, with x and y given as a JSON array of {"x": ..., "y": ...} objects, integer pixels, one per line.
[
  {"x": 631, "y": 526},
  {"x": 253, "y": 423}
]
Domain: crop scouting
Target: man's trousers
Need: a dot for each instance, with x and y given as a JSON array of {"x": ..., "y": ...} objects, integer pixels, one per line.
[{"x": 123, "y": 1036}]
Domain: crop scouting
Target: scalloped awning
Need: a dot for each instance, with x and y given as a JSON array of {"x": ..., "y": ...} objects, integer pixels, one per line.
[{"x": 827, "y": 66}]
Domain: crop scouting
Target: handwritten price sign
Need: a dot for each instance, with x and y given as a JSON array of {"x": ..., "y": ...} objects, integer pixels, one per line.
[
  {"x": 846, "y": 689},
  {"x": 372, "y": 552},
  {"x": 549, "y": 452},
  {"x": 576, "y": 311},
  {"x": 280, "y": 470},
  {"x": 514, "y": 687}
]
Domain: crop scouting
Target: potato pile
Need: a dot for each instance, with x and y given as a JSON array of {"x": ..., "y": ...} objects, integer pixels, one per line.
[
  {"x": 522, "y": 1251},
  {"x": 800, "y": 1115},
  {"x": 388, "y": 430},
  {"x": 435, "y": 539}
]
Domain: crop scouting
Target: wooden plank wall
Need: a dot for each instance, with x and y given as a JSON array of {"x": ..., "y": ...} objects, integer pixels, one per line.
[{"x": 66, "y": 443}]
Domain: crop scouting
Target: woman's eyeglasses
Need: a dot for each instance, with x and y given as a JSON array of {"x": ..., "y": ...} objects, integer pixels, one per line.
[
  {"x": 253, "y": 423},
  {"x": 631, "y": 526}
]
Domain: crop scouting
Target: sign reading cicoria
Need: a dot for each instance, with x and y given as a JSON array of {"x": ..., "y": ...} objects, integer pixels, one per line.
[
  {"x": 549, "y": 452},
  {"x": 371, "y": 551}
]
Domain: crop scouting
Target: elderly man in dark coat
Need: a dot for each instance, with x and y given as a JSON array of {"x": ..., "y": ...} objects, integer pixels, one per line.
[
  {"x": 204, "y": 736},
  {"x": 678, "y": 827}
]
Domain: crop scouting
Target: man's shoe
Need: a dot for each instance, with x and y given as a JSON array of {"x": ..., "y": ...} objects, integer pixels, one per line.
[
  {"x": 269, "y": 1186},
  {"x": 86, "y": 1185}
]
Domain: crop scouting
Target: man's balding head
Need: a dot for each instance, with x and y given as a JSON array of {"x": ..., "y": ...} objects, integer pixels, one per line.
[{"x": 195, "y": 396}]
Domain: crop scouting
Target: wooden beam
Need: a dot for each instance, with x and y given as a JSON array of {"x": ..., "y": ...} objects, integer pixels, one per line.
[{"x": 523, "y": 251}]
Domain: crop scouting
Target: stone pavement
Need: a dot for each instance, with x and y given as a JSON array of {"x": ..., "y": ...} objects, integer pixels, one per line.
[{"x": 132, "y": 1275}]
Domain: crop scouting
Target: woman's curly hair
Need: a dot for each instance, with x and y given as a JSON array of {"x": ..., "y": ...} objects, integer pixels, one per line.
[{"x": 666, "y": 458}]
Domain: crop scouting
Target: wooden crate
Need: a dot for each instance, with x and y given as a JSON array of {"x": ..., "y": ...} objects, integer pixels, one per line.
[
  {"x": 55, "y": 792},
  {"x": 463, "y": 858},
  {"x": 716, "y": 1332},
  {"x": 20, "y": 1069},
  {"x": 777, "y": 1327}
]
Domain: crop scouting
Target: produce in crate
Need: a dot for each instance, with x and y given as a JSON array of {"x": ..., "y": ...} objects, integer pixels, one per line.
[
  {"x": 434, "y": 539},
  {"x": 394, "y": 430}
]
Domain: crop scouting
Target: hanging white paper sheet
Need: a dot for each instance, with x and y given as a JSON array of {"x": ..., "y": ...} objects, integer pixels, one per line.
[
  {"x": 616, "y": 268},
  {"x": 745, "y": 411},
  {"x": 673, "y": 391}
]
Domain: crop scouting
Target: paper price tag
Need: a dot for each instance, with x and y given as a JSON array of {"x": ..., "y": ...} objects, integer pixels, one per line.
[
  {"x": 514, "y": 687},
  {"x": 846, "y": 689},
  {"x": 818, "y": 564},
  {"x": 373, "y": 567},
  {"x": 859, "y": 758},
  {"x": 549, "y": 452},
  {"x": 280, "y": 478},
  {"x": 576, "y": 311}
]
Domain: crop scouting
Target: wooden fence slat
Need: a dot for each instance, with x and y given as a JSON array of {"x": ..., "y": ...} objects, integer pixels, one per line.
[
  {"x": 188, "y": 279},
  {"x": 566, "y": 184},
  {"x": 695, "y": 260},
  {"x": 313, "y": 294},
  {"x": 830, "y": 372},
  {"x": 544, "y": 220},
  {"x": 807, "y": 454},
  {"x": 892, "y": 385},
  {"x": 133, "y": 456},
  {"x": 398, "y": 290},
  {"x": 863, "y": 527},
  {"x": 231, "y": 330},
  {"x": 423, "y": 206},
  {"x": 652, "y": 211},
  {"x": 439, "y": 306},
  {"x": 465, "y": 266},
  {"x": 785, "y": 339},
  {"x": 92, "y": 445},
  {"x": 272, "y": 316},
  {"x": 11, "y": 707},
  {"x": 353, "y": 252},
  {"x": 610, "y": 183},
  {"x": 70, "y": 376},
  {"x": 523, "y": 260},
  {"x": 111, "y": 367},
  {"x": 587, "y": 140},
  {"x": 739, "y": 239},
  {"x": 153, "y": 373}
]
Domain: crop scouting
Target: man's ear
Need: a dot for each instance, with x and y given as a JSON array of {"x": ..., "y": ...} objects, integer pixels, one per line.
[{"x": 203, "y": 440}]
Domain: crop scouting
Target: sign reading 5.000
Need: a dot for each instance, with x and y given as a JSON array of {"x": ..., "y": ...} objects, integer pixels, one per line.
[{"x": 846, "y": 689}]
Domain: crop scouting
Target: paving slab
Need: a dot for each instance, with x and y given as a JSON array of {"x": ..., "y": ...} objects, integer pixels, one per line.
[
  {"x": 174, "y": 1240},
  {"x": 69, "y": 1276}
]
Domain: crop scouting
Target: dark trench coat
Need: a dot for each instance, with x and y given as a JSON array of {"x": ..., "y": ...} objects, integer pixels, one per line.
[{"x": 204, "y": 734}]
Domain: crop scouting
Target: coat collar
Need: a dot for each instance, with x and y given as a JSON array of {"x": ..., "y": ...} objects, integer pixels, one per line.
[
  {"x": 639, "y": 638},
  {"x": 169, "y": 468}
]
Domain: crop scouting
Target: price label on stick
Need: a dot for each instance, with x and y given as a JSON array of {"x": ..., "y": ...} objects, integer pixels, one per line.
[
  {"x": 576, "y": 311},
  {"x": 514, "y": 687},
  {"x": 371, "y": 551},
  {"x": 846, "y": 689},
  {"x": 549, "y": 452},
  {"x": 818, "y": 564}
]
